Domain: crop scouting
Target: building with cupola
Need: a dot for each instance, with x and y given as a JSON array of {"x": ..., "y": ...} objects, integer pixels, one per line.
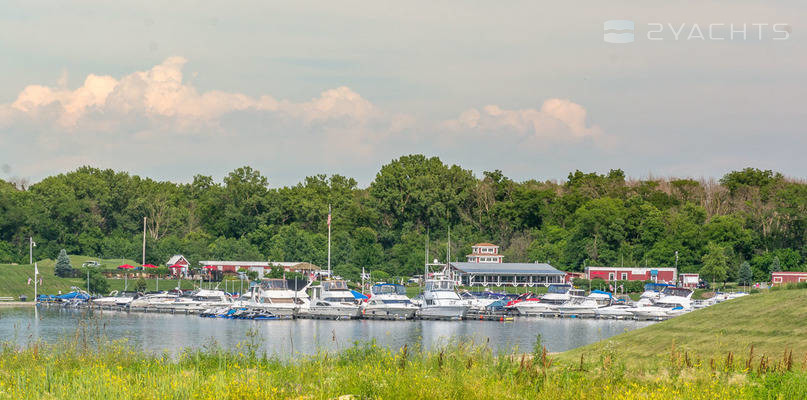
[
  {"x": 484, "y": 253},
  {"x": 485, "y": 266}
]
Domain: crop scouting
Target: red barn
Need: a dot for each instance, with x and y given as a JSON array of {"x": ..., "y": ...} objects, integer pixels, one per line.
[
  {"x": 782, "y": 277},
  {"x": 669, "y": 275}
]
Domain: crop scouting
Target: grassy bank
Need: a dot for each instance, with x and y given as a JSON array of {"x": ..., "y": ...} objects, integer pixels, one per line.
[
  {"x": 771, "y": 322},
  {"x": 14, "y": 278},
  {"x": 75, "y": 369}
]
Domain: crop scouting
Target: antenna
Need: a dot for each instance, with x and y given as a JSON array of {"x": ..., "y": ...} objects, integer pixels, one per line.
[{"x": 426, "y": 260}]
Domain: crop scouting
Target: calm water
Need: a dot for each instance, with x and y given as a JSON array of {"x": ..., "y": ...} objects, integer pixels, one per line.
[{"x": 171, "y": 333}]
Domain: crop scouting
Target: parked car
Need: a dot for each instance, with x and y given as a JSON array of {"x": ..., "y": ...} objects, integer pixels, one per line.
[
  {"x": 91, "y": 264},
  {"x": 703, "y": 285}
]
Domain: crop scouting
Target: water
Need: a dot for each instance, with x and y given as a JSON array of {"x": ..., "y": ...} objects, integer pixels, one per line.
[{"x": 289, "y": 338}]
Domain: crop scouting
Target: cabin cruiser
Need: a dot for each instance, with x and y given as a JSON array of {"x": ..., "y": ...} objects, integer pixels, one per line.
[
  {"x": 673, "y": 301},
  {"x": 554, "y": 297},
  {"x": 332, "y": 299},
  {"x": 199, "y": 299},
  {"x": 588, "y": 305},
  {"x": 275, "y": 296},
  {"x": 115, "y": 298},
  {"x": 153, "y": 299},
  {"x": 480, "y": 301},
  {"x": 652, "y": 292},
  {"x": 440, "y": 300},
  {"x": 389, "y": 300}
]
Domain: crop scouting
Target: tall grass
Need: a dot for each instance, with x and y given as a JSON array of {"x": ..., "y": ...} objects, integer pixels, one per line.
[{"x": 88, "y": 366}]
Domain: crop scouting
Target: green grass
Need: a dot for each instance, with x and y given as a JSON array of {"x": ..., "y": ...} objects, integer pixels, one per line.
[
  {"x": 78, "y": 369},
  {"x": 14, "y": 278},
  {"x": 771, "y": 322}
]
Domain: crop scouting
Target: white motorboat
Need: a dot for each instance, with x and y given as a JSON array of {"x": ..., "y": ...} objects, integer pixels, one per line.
[
  {"x": 616, "y": 311},
  {"x": 440, "y": 299},
  {"x": 549, "y": 302},
  {"x": 585, "y": 306},
  {"x": 652, "y": 292},
  {"x": 389, "y": 301},
  {"x": 153, "y": 299},
  {"x": 275, "y": 296},
  {"x": 199, "y": 299},
  {"x": 673, "y": 301},
  {"x": 332, "y": 299},
  {"x": 115, "y": 298},
  {"x": 578, "y": 305}
]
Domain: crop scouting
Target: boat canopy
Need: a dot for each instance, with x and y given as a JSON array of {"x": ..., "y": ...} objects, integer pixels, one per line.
[
  {"x": 334, "y": 285},
  {"x": 558, "y": 289},
  {"x": 388, "y": 288},
  {"x": 358, "y": 295},
  {"x": 602, "y": 292},
  {"x": 441, "y": 285},
  {"x": 655, "y": 287}
]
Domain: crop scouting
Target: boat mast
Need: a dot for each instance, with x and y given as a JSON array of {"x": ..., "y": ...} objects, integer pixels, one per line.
[
  {"x": 448, "y": 254},
  {"x": 426, "y": 259},
  {"x": 329, "y": 241}
]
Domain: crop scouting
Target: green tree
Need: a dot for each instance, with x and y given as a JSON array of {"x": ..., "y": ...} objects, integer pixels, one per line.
[
  {"x": 776, "y": 265},
  {"x": 98, "y": 282},
  {"x": 715, "y": 263},
  {"x": 63, "y": 267},
  {"x": 745, "y": 276}
]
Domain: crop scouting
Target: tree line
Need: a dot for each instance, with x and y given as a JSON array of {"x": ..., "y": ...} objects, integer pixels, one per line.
[{"x": 713, "y": 226}]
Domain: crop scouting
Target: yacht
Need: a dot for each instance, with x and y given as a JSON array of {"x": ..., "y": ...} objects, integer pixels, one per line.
[
  {"x": 440, "y": 300},
  {"x": 199, "y": 299},
  {"x": 388, "y": 301},
  {"x": 275, "y": 296},
  {"x": 585, "y": 306},
  {"x": 555, "y": 296},
  {"x": 652, "y": 292},
  {"x": 332, "y": 299},
  {"x": 153, "y": 299},
  {"x": 115, "y": 298},
  {"x": 673, "y": 301}
]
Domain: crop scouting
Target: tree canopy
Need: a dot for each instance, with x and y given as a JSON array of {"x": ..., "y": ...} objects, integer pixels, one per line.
[{"x": 588, "y": 219}]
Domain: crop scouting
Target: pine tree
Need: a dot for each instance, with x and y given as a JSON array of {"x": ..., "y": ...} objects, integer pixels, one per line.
[
  {"x": 63, "y": 267},
  {"x": 776, "y": 265},
  {"x": 745, "y": 275}
]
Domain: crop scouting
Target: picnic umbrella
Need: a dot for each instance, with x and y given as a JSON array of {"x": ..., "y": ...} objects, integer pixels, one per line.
[
  {"x": 177, "y": 266},
  {"x": 209, "y": 267},
  {"x": 149, "y": 266},
  {"x": 125, "y": 266}
]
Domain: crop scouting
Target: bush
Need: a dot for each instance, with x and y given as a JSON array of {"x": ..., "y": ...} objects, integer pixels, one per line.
[
  {"x": 140, "y": 285},
  {"x": 98, "y": 282}
]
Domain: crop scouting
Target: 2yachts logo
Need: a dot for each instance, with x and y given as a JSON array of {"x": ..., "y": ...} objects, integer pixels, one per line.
[{"x": 624, "y": 31}]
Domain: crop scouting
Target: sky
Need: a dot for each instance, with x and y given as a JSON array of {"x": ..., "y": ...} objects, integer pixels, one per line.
[{"x": 174, "y": 89}]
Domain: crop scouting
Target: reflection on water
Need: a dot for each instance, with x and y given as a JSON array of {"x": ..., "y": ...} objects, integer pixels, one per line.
[{"x": 171, "y": 333}]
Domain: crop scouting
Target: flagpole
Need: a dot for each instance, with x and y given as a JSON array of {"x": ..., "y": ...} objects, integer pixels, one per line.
[
  {"x": 329, "y": 241},
  {"x": 36, "y": 272},
  {"x": 144, "y": 241}
]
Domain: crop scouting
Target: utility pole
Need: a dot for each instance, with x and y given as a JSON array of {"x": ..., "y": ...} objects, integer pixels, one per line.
[
  {"x": 144, "y": 242},
  {"x": 329, "y": 242},
  {"x": 31, "y": 245}
]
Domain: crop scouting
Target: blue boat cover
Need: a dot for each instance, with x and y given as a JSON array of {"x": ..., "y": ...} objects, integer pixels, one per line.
[
  {"x": 73, "y": 295},
  {"x": 358, "y": 295}
]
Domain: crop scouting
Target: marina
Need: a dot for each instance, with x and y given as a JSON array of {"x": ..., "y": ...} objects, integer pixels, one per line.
[{"x": 171, "y": 333}]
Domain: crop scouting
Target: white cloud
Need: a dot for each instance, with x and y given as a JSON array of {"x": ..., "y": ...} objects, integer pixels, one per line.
[
  {"x": 557, "y": 120},
  {"x": 154, "y": 118}
]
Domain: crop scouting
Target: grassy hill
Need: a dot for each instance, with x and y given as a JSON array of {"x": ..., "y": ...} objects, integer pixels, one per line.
[
  {"x": 771, "y": 322},
  {"x": 14, "y": 278}
]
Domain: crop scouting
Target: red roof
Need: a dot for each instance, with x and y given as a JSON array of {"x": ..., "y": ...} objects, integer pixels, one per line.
[{"x": 485, "y": 245}]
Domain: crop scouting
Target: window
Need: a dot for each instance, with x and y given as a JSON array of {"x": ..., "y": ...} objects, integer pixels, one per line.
[
  {"x": 624, "y": 276},
  {"x": 611, "y": 276},
  {"x": 777, "y": 279}
]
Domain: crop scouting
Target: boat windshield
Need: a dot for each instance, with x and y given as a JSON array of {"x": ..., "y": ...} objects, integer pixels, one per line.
[
  {"x": 334, "y": 285},
  {"x": 654, "y": 287},
  {"x": 277, "y": 284},
  {"x": 406, "y": 301},
  {"x": 340, "y": 299},
  {"x": 558, "y": 289},
  {"x": 435, "y": 286},
  {"x": 388, "y": 289},
  {"x": 676, "y": 291}
]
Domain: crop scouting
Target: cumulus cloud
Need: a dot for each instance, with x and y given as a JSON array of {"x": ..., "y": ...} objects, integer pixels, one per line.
[
  {"x": 155, "y": 118},
  {"x": 557, "y": 120},
  {"x": 159, "y": 98}
]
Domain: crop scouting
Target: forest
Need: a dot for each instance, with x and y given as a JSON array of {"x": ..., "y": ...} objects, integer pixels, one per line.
[{"x": 713, "y": 226}]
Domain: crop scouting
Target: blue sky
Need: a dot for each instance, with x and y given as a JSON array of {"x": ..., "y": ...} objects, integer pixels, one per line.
[{"x": 305, "y": 87}]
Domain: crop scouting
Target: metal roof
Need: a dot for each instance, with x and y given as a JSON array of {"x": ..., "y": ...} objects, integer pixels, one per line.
[{"x": 507, "y": 268}]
